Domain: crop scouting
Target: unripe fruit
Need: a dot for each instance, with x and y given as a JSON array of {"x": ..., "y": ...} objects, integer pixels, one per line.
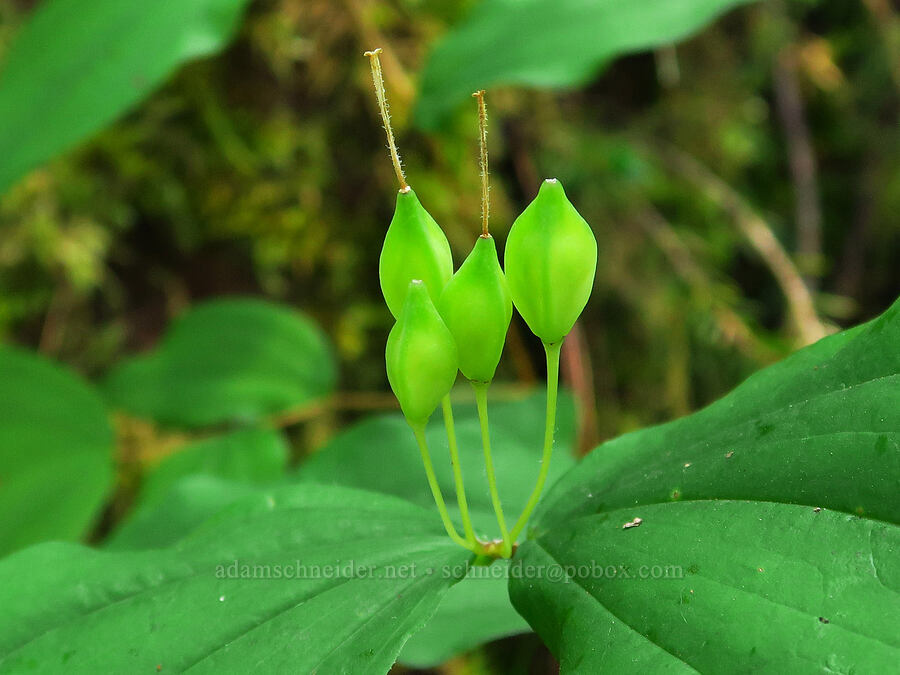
[
  {"x": 551, "y": 259},
  {"x": 477, "y": 307},
  {"x": 414, "y": 248},
  {"x": 420, "y": 356}
]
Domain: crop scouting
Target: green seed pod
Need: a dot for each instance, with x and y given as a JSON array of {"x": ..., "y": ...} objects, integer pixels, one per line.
[
  {"x": 477, "y": 307},
  {"x": 421, "y": 356},
  {"x": 414, "y": 248},
  {"x": 551, "y": 259}
]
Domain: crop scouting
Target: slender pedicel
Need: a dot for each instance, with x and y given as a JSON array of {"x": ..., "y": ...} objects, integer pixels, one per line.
[
  {"x": 481, "y": 400},
  {"x": 457, "y": 470},
  {"x": 419, "y": 431},
  {"x": 552, "y": 386}
]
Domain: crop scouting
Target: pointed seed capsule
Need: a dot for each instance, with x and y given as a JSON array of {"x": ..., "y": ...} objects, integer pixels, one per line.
[
  {"x": 551, "y": 259},
  {"x": 477, "y": 307},
  {"x": 414, "y": 248},
  {"x": 421, "y": 356}
]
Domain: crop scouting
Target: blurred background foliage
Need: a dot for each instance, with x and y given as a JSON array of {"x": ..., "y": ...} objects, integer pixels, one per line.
[
  {"x": 743, "y": 185},
  {"x": 262, "y": 171}
]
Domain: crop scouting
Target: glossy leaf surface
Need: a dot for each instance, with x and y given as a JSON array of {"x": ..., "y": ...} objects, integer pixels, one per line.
[
  {"x": 778, "y": 504},
  {"x": 715, "y": 587},
  {"x": 225, "y": 599}
]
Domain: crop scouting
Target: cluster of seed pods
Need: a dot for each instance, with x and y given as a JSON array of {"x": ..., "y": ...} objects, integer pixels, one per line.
[{"x": 450, "y": 322}]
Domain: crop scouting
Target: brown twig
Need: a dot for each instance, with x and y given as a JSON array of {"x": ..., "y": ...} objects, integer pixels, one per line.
[
  {"x": 352, "y": 401},
  {"x": 668, "y": 72},
  {"x": 401, "y": 83},
  {"x": 802, "y": 160},
  {"x": 372, "y": 401},
  {"x": 731, "y": 325},
  {"x": 518, "y": 352},
  {"x": 806, "y": 323},
  {"x": 580, "y": 374},
  {"x": 886, "y": 22},
  {"x": 53, "y": 330},
  {"x": 852, "y": 265},
  {"x": 518, "y": 146}
]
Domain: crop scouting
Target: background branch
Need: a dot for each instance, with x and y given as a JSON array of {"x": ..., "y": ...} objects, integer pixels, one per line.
[
  {"x": 806, "y": 323},
  {"x": 802, "y": 160},
  {"x": 732, "y": 326}
]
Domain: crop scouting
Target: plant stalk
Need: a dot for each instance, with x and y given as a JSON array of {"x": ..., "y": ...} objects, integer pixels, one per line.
[
  {"x": 552, "y": 351},
  {"x": 481, "y": 401},
  {"x": 457, "y": 470},
  {"x": 419, "y": 431}
]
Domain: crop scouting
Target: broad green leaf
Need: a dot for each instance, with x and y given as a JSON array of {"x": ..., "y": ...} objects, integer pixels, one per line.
[
  {"x": 715, "y": 587},
  {"x": 197, "y": 482},
  {"x": 549, "y": 43},
  {"x": 234, "y": 360},
  {"x": 820, "y": 428},
  {"x": 357, "y": 458},
  {"x": 380, "y": 454},
  {"x": 176, "y": 610},
  {"x": 473, "y": 612},
  {"x": 812, "y": 444},
  {"x": 56, "y": 447},
  {"x": 181, "y": 509},
  {"x": 76, "y": 66},
  {"x": 248, "y": 455}
]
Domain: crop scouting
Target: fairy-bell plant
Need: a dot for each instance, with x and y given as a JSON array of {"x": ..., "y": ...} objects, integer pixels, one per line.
[
  {"x": 477, "y": 307},
  {"x": 414, "y": 247},
  {"x": 416, "y": 250},
  {"x": 551, "y": 260},
  {"x": 421, "y": 356},
  {"x": 459, "y": 321},
  {"x": 421, "y": 360}
]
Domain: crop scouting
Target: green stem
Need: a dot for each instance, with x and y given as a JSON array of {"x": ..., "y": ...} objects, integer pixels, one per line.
[
  {"x": 552, "y": 386},
  {"x": 419, "y": 431},
  {"x": 457, "y": 470},
  {"x": 481, "y": 400}
]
